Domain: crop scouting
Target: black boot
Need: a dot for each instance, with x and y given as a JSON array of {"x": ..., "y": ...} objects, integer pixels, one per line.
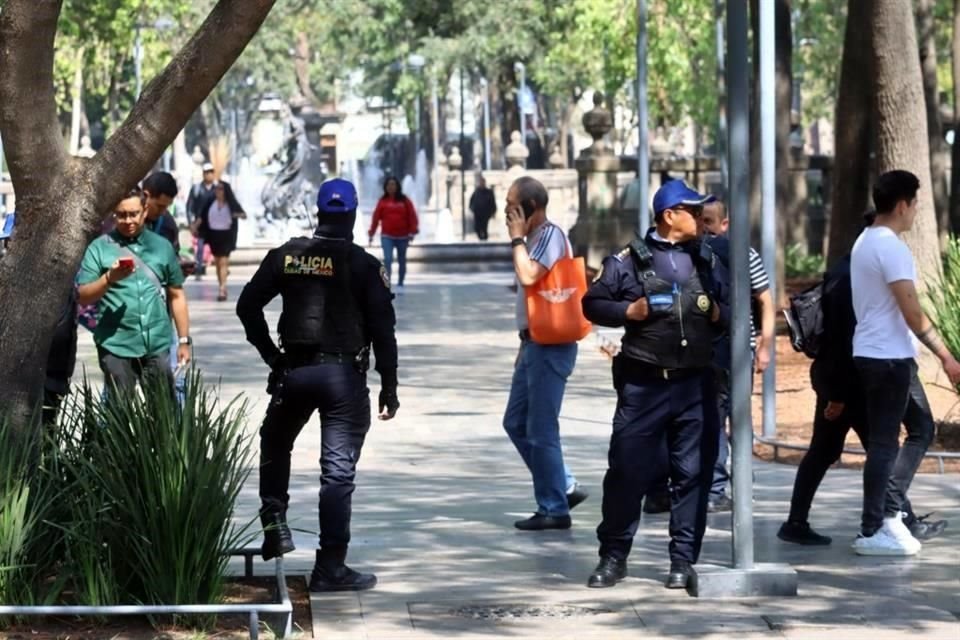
[
  {"x": 276, "y": 535},
  {"x": 679, "y": 575},
  {"x": 331, "y": 574},
  {"x": 609, "y": 572}
]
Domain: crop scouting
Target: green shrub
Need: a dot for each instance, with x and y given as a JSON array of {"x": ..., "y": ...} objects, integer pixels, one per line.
[
  {"x": 797, "y": 264},
  {"x": 943, "y": 298},
  {"x": 131, "y": 501}
]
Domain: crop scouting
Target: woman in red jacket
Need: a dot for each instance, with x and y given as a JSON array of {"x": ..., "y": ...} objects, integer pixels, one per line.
[{"x": 398, "y": 216}]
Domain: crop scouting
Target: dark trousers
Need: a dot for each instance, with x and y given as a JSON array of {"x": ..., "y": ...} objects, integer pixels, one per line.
[
  {"x": 894, "y": 395},
  {"x": 339, "y": 392},
  {"x": 826, "y": 445},
  {"x": 123, "y": 374},
  {"x": 480, "y": 222},
  {"x": 649, "y": 411}
]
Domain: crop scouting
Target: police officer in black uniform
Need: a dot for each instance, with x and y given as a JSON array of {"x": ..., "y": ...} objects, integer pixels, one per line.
[
  {"x": 671, "y": 294},
  {"x": 336, "y": 303}
]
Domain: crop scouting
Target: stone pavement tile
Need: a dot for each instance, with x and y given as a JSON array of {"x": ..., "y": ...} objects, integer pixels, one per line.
[{"x": 439, "y": 487}]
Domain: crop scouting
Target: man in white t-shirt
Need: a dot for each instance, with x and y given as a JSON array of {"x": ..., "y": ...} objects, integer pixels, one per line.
[
  {"x": 889, "y": 318},
  {"x": 532, "y": 416}
]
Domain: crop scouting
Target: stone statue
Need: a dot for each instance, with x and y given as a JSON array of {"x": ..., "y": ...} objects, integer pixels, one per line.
[{"x": 283, "y": 196}]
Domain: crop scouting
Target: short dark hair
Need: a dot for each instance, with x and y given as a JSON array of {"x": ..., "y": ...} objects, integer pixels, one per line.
[
  {"x": 161, "y": 183},
  {"x": 869, "y": 217},
  {"x": 531, "y": 189},
  {"x": 133, "y": 192},
  {"x": 892, "y": 187}
]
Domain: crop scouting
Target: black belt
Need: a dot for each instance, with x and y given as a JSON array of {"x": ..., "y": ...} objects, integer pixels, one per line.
[
  {"x": 310, "y": 358},
  {"x": 637, "y": 369},
  {"x": 525, "y": 335}
]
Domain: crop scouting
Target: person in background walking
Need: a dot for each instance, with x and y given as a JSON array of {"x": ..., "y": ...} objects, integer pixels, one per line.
[
  {"x": 218, "y": 226},
  {"x": 200, "y": 195},
  {"x": 483, "y": 204},
  {"x": 396, "y": 213}
]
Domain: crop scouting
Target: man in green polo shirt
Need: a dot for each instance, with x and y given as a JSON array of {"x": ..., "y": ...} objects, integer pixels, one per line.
[{"x": 127, "y": 272}]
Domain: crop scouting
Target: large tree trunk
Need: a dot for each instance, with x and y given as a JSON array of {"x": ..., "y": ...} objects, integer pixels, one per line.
[
  {"x": 62, "y": 200},
  {"x": 850, "y": 187},
  {"x": 301, "y": 66},
  {"x": 926, "y": 31},
  {"x": 955, "y": 160},
  {"x": 901, "y": 123}
]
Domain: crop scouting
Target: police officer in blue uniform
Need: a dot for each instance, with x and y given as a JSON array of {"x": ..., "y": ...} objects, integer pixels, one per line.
[
  {"x": 336, "y": 303},
  {"x": 671, "y": 295}
]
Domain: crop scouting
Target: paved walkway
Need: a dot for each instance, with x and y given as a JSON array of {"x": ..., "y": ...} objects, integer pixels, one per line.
[{"x": 439, "y": 488}]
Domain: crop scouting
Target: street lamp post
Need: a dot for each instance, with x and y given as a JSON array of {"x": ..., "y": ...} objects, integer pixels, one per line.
[
  {"x": 416, "y": 61},
  {"x": 520, "y": 68},
  {"x": 486, "y": 123}
]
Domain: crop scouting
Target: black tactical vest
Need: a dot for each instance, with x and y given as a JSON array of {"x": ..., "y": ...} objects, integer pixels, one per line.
[
  {"x": 678, "y": 333},
  {"x": 320, "y": 311}
]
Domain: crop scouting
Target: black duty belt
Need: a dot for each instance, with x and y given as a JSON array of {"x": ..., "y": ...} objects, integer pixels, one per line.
[
  {"x": 645, "y": 371},
  {"x": 310, "y": 358}
]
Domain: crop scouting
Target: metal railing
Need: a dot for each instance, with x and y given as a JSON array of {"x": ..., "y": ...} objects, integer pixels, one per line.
[{"x": 253, "y": 610}]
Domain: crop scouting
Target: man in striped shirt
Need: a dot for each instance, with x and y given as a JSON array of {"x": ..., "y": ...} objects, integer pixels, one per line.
[{"x": 715, "y": 222}]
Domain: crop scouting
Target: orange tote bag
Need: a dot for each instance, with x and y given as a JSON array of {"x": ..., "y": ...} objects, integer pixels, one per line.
[{"x": 554, "y": 310}]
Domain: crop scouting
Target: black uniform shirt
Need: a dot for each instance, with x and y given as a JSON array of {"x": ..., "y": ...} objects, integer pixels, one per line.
[
  {"x": 369, "y": 287},
  {"x": 616, "y": 286}
]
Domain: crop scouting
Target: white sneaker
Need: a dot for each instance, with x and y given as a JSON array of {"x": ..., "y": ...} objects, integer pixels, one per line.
[
  {"x": 896, "y": 528},
  {"x": 882, "y": 543}
]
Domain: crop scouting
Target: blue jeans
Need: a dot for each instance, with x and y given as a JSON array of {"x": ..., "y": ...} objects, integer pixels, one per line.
[
  {"x": 532, "y": 420},
  {"x": 388, "y": 245}
]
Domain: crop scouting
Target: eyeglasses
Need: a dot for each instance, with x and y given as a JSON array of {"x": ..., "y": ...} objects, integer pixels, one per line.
[{"x": 124, "y": 216}]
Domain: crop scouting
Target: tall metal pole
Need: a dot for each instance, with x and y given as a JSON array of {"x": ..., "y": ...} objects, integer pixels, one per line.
[
  {"x": 436, "y": 140},
  {"x": 768, "y": 190},
  {"x": 486, "y": 123},
  {"x": 738, "y": 110},
  {"x": 721, "y": 137},
  {"x": 138, "y": 61},
  {"x": 643, "y": 158},
  {"x": 522, "y": 69},
  {"x": 463, "y": 168}
]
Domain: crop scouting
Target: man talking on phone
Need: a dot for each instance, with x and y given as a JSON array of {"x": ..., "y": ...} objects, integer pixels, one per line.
[
  {"x": 532, "y": 417},
  {"x": 132, "y": 273}
]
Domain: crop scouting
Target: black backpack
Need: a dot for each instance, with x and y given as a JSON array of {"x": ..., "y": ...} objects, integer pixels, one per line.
[{"x": 805, "y": 320}]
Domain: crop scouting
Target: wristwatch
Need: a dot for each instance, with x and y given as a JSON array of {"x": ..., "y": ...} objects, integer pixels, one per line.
[
  {"x": 516, "y": 242},
  {"x": 185, "y": 340}
]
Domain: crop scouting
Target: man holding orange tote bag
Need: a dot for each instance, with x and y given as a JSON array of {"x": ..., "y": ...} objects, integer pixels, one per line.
[{"x": 550, "y": 321}]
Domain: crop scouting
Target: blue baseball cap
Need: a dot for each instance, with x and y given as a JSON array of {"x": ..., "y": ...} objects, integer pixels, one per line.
[
  {"x": 337, "y": 196},
  {"x": 676, "y": 193}
]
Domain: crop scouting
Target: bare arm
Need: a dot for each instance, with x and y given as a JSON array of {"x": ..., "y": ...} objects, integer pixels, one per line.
[
  {"x": 178, "y": 309},
  {"x": 177, "y": 299},
  {"x": 768, "y": 320},
  {"x": 906, "y": 296},
  {"x": 528, "y": 271},
  {"x": 93, "y": 292}
]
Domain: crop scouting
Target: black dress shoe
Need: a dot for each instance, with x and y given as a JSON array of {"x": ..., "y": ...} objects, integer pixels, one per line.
[
  {"x": 656, "y": 503},
  {"x": 679, "y": 574},
  {"x": 609, "y": 572},
  {"x": 276, "y": 536},
  {"x": 801, "y": 533},
  {"x": 341, "y": 578},
  {"x": 576, "y": 496},
  {"x": 539, "y": 522}
]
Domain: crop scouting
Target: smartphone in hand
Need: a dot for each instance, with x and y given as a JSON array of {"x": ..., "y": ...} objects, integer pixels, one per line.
[{"x": 126, "y": 263}]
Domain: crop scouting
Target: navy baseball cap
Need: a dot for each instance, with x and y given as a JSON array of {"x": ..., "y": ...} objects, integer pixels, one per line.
[
  {"x": 675, "y": 193},
  {"x": 337, "y": 196}
]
